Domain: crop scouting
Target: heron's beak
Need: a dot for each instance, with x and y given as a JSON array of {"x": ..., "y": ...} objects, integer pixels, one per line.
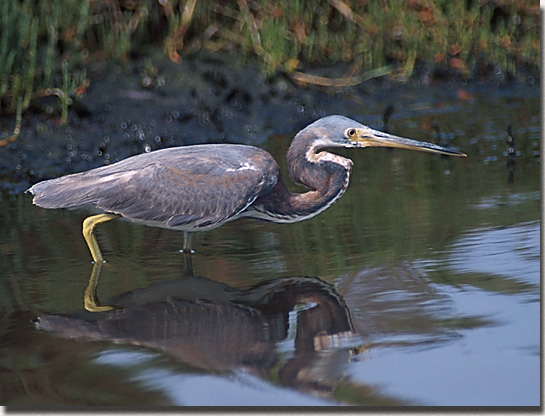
[{"x": 367, "y": 137}]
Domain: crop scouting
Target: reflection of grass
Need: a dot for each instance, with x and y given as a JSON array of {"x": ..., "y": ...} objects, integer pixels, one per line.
[
  {"x": 45, "y": 46},
  {"x": 465, "y": 322},
  {"x": 356, "y": 394},
  {"x": 40, "y": 369},
  {"x": 491, "y": 283}
]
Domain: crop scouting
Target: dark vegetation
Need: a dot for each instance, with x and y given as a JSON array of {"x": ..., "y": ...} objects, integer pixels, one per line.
[{"x": 48, "y": 48}]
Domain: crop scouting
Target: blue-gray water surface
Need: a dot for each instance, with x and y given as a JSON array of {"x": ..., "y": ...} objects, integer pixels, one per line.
[{"x": 420, "y": 286}]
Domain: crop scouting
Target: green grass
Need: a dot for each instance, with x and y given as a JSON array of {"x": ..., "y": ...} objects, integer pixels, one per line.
[{"x": 45, "y": 46}]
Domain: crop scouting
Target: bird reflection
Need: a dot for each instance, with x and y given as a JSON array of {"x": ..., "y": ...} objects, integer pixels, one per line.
[{"x": 213, "y": 326}]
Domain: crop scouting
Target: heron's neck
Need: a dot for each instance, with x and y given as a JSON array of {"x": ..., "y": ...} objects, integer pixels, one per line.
[{"x": 325, "y": 174}]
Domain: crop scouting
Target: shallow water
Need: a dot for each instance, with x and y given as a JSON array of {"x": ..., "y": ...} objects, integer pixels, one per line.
[{"x": 421, "y": 286}]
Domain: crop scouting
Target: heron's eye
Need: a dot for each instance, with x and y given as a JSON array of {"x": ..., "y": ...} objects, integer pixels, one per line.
[{"x": 350, "y": 133}]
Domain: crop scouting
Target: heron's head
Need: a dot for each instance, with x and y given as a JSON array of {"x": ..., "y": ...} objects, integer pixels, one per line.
[{"x": 339, "y": 131}]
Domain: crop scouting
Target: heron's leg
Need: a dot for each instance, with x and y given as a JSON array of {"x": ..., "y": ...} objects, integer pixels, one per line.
[
  {"x": 187, "y": 251},
  {"x": 90, "y": 298},
  {"x": 89, "y": 226},
  {"x": 188, "y": 242}
]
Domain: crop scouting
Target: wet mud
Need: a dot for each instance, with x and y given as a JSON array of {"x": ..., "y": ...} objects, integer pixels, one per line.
[{"x": 129, "y": 109}]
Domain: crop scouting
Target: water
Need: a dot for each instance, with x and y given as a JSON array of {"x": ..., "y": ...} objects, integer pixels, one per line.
[{"x": 421, "y": 286}]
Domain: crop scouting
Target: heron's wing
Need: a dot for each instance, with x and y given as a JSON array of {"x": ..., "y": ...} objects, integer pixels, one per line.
[
  {"x": 189, "y": 188},
  {"x": 165, "y": 194}
]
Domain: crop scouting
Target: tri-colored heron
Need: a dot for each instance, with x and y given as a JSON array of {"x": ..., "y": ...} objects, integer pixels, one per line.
[{"x": 199, "y": 188}]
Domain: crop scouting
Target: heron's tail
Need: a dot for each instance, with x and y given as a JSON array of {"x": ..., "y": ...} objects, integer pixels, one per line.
[{"x": 72, "y": 191}]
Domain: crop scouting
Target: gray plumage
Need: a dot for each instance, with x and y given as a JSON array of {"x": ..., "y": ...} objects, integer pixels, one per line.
[
  {"x": 198, "y": 188},
  {"x": 185, "y": 187}
]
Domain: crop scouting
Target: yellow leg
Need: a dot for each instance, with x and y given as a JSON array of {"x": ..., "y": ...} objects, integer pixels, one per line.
[
  {"x": 90, "y": 298},
  {"x": 89, "y": 226}
]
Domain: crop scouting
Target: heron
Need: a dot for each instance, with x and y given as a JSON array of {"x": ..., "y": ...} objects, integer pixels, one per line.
[{"x": 201, "y": 187}]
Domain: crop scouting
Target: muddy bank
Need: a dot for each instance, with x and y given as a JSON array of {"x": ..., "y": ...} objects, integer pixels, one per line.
[{"x": 206, "y": 99}]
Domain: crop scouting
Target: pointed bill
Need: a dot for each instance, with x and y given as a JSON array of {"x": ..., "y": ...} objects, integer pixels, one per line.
[{"x": 367, "y": 137}]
